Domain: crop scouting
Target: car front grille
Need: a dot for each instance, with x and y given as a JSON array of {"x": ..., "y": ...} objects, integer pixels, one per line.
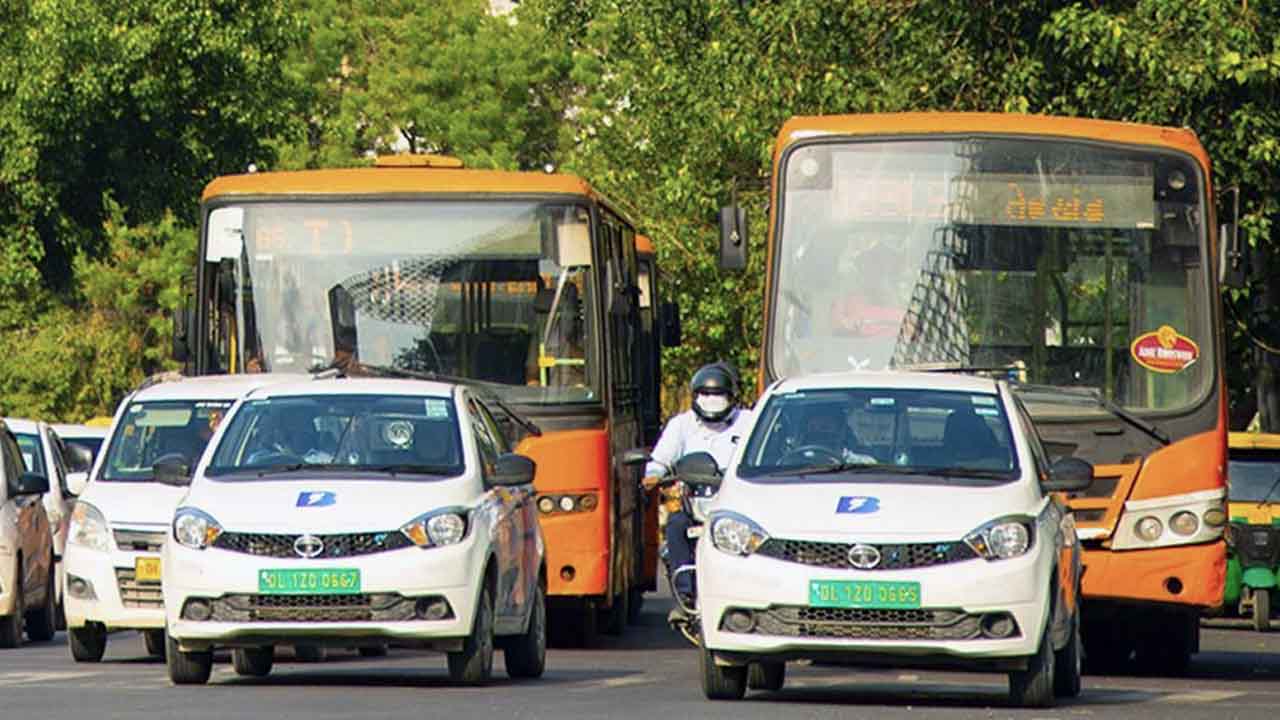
[
  {"x": 892, "y": 556},
  {"x": 865, "y": 624},
  {"x": 140, "y": 540},
  {"x": 368, "y": 607},
  {"x": 335, "y": 546},
  {"x": 136, "y": 593}
]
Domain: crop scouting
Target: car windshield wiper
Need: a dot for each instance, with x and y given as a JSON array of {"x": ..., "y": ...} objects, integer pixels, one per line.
[
  {"x": 408, "y": 469},
  {"x": 1095, "y": 397},
  {"x": 488, "y": 387},
  {"x": 843, "y": 467},
  {"x": 295, "y": 467}
]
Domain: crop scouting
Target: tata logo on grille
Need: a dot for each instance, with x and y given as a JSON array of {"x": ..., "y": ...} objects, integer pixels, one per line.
[
  {"x": 308, "y": 546},
  {"x": 864, "y": 557},
  {"x": 857, "y": 505},
  {"x": 322, "y": 498}
]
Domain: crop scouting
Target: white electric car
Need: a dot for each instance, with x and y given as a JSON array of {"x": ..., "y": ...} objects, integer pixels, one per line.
[
  {"x": 903, "y": 518},
  {"x": 357, "y": 512},
  {"x": 121, "y": 517}
]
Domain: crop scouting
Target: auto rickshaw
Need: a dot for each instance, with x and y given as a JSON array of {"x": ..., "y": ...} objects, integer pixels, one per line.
[{"x": 1253, "y": 535}]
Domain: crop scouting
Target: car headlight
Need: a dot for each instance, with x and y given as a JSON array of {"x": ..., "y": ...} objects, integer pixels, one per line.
[
  {"x": 195, "y": 529},
  {"x": 735, "y": 534},
  {"x": 437, "y": 528},
  {"x": 1003, "y": 538},
  {"x": 88, "y": 528}
]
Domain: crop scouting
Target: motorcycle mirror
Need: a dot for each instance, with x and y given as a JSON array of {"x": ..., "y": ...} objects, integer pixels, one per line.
[
  {"x": 636, "y": 456},
  {"x": 699, "y": 468}
]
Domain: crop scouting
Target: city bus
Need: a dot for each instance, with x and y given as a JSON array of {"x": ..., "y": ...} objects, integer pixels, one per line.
[
  {"x": 524, "y": 282},
  {"x": 1075, "y": 258}
]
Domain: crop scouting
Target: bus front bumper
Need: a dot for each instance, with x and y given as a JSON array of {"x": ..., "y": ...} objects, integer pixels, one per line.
[{"x": 1192, "y": 575}]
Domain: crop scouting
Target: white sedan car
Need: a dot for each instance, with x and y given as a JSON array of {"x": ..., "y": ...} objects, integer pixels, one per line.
[
  {"x": 899, "y": 518},
  {"x": 352, "y": 513},
  {"x": 121, "y": 518}
]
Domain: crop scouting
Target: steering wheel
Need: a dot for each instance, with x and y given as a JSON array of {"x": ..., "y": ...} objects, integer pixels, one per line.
[{"x": 809, "y": 453}]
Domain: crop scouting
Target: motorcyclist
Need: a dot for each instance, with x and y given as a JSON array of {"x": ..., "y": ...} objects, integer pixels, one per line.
[{"x": 713, "y": 425}]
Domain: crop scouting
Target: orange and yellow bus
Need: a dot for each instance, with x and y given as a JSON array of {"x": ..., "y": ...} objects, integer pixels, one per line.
[
  {"x": 524, "y": 282},
  {"x": 1075, "y": 257}
]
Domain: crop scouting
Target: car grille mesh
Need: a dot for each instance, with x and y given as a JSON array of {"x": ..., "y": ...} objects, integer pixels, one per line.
[
  {"x": 864, "y": 624},
  {"x": 892, "y": 557},
  {"x": 136, "y": 593},
  {"x": 335, "y": 546},
  {"x": 312, "y": 608}
]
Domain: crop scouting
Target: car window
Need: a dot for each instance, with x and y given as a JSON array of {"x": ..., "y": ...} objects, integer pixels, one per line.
[
  {"x": 12, "y": 457},
  {"x": 32, "y": 453},
  {"x": 495, "y": 430},
  {"x": 149, "y": 431},
  {"x": 485, "y": 441}
]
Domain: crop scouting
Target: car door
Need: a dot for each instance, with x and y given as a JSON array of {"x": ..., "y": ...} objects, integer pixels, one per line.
[
  {"x": 505, "y": 536},
  {"x": 524, "y": 514},
  {"x": 57, "y": 500},
  {"x": 30, "y": 514}
]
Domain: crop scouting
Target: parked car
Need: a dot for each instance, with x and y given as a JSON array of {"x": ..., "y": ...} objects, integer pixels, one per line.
[{"x": 27, "y": 594}]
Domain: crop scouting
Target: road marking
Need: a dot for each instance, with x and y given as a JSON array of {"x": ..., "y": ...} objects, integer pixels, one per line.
[
  {"x": 29, "y": 678},
  {"x": 1202, "y": 696},
  {"x": 906, "y": 677}
]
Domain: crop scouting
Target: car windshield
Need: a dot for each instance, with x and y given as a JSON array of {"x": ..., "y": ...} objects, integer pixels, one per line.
[
  {"x": 161, "y": 430},
  {"x": 1251, "y": 478},
  {"x": 1067, "y": 263},
  {"x": 496, "y": 291},
  {"x": 412, "y": 435},
  {"x": 896, "y": 432},
  {"x": 32, "y": 456}
]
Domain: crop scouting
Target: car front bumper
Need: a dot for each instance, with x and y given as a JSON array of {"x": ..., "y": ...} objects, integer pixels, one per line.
[{"x": 116, "y": 598}]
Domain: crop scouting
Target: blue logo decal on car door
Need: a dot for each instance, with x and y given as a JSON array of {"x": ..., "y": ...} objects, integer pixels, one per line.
[
  {"x": 321, "y": 498},
  {"x": 857, "y": 505}
]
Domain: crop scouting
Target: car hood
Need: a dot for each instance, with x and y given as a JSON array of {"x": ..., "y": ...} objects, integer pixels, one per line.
[
  {"x": 133, "y": 503},
  {"x": 877, "y": 512},
  {"x": 325, "y": 506}
]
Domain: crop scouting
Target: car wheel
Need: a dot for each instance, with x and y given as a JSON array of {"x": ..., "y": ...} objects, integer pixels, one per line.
[
  {"x": 42, "y": 622},
  {"x": 154, "y": 642},
  {"x": 88, "y": 643},
  {"x": 473, "y": 665},
  {"x": 253, "y": 662},
  {"x": 187, "y": 668},
  {"x": 526, "y": 654},
  {"x": 1067, "y": 666},
  {"x": 769, "y": 676},
  {"x": 11, "y": 625},
  {"x": 1033, "y": 686},
  {"x": 373, "y": 652},
  {"x": 1262, "y": 610},
  {"x": 310, "y": 653},
  {"x": 721, "y": 682}
]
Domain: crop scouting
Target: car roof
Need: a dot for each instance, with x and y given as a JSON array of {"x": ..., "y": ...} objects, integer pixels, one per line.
[
  {"x": 70, "y": 431},
  {"x": 22, "y": 425},
  {"x": 358, "y": 386},
  {"x": 890, "y": 380},
  {"x": 211, "y": 387}
]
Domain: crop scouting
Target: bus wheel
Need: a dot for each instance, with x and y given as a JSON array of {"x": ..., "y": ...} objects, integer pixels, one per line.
[
  {"x": 1105, "y": 653},
  {"x": 1168, "y": 651},
  {"x": 573, "y": 627}
]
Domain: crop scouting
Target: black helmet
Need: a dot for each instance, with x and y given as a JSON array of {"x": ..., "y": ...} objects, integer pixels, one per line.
[{"x": 717, "y": 380}]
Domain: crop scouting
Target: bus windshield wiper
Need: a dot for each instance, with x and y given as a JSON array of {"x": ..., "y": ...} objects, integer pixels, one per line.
[{"x": 1097, "y": 398}]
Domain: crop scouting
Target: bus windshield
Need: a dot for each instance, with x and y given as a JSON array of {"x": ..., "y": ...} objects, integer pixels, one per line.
[
  {"x": 497, "y": 291},
  {"x": 1066, "y": 263}
]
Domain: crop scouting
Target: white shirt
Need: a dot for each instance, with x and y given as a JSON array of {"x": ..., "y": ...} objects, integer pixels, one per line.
[{"x": 687, "y": 433}]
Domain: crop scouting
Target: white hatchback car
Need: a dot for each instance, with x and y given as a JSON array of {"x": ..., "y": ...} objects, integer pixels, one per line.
[
  {"x": 122, "y": 516},
  {"x": 358, "y": 512},
  {"x": 904, "y": 518}
]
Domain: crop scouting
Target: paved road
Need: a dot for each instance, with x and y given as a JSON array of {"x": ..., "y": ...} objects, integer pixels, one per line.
[{"x": 649, "y": 673}]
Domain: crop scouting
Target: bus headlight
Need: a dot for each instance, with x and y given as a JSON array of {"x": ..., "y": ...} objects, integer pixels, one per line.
[
  {"x": 1148, "y": 528},
  {"x": 1184, "y": 523}
]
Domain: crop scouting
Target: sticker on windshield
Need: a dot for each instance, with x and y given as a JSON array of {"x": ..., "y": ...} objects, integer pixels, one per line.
[
  {"x": 437, "y": 409},
  {"x": 982, "y": 400},
  {"x": 882, "y": 401},
  {"x": 857, "y": 505},
  {"x": 1164, "y": 350}
]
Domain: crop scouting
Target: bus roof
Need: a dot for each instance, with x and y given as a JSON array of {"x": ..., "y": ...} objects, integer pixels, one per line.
[
  {"x": 929, "y": 123},
  {"x": 391, "y": 180},
  {"x": 1253, "y": 441}
]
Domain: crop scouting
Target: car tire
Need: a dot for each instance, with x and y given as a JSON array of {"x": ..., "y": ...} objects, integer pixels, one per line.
[
  {"x": 187, "y": 668},
  {"x": 42, "y": 622},
  {"x": 253, "y": 662},
  {"x": 88, "y": 643},
  {"x": 1262, "y": 610},
  {"x": 770, "y": 676},
  {"x": 154, "y": 642},
  {"x": 310, "y": 653},
  {"x": 721, "y": 683},
  {"x": 526, "y": 654},
  {"x": 1033, "y": 687},
  {"x": 373, "y": 652},
  {"x": 11, "y": 625},
  {"x": 1067, "y": 666},
  {"x": 473, "y": 665}
]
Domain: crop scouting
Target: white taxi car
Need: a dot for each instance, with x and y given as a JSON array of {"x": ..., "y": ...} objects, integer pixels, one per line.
[
  {"x": 905, "y": 518},
  {"x": 358, "y": 512},
  {"x": 26, "y": 550},
  {"x": 121, "y": 518}
]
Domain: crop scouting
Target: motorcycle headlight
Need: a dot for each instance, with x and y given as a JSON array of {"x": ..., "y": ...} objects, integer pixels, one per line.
[
  {"x": 735, "y": 534},
  {"x": 88, "y": 528},
  {"x": 1003, "y": 538},
  {"x": 437, "y": 528},
  {"x": 195, "y": 529}
]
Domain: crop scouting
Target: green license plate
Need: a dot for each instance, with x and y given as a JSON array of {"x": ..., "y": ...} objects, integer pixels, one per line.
[
  {"x": 333, "y": 581},
  {"x": 864, "y": 594}
]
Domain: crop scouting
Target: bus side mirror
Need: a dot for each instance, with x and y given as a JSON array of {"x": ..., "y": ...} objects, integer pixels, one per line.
[
  {"x": 733, "y": 238},
  {"x": 669, "y": 324},
  {"x": 1231, "y": 261}
]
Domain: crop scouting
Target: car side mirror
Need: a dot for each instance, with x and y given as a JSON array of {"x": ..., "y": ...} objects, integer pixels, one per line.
[
  {"x": 172, "y": 469},
  {"x": 78, "y": 457},
  {"x": 636, "y": 456},
  {"x": 29, "y": 483},
  {"x": 733, "y": 238},
  {"x": 513, "y": 470},
  {"x": 1068, "y": 475},
  {"x": 699, "y": 469},
  {"x": 76, "y": 482},
  {"x": 669, "y": 325}
]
